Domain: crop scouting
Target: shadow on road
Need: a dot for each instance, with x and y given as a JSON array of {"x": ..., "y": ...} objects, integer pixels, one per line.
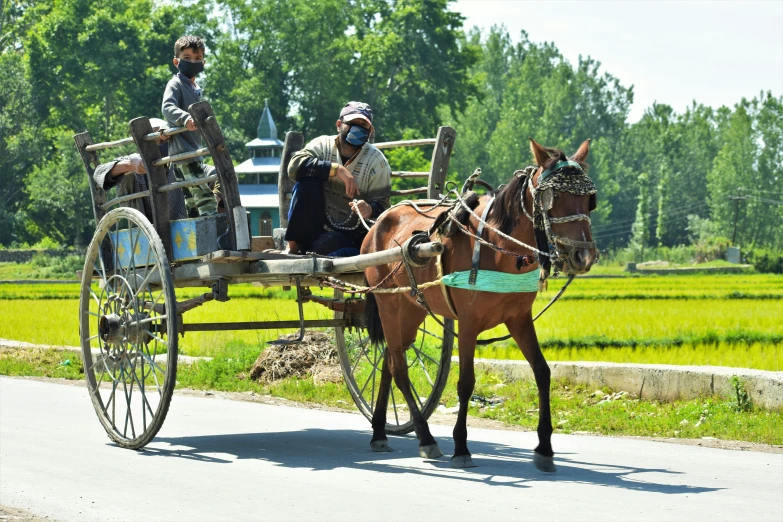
[{"x": 322, "y": 450}]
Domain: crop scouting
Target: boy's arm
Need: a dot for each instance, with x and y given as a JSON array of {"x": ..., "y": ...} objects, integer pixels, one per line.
[{"x": 170, "y": 107}]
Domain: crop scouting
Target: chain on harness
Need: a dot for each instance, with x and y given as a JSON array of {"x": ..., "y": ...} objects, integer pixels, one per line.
[{"x": 343, "y": 225}]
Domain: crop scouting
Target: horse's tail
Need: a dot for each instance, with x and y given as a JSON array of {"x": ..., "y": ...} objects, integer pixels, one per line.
[{"x": 372, "y": 318}]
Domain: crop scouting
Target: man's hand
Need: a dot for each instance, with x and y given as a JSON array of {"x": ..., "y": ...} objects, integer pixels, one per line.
[
  {"x": 136, "y": 165},
  {"x": 190, "y": 124},
  {"x": 363, "y": 208},
  {"x": 351, "y": 190}
]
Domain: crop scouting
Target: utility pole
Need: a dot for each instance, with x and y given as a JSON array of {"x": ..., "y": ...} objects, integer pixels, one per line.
[{"x": 736, "y": 200}]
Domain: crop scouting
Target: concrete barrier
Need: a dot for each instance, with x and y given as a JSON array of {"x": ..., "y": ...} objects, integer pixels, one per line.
[{"x": 655, "y": 381}]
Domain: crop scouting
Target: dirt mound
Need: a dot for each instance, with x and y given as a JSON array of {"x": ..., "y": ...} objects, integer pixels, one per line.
[{"x": 316, "y": 355}]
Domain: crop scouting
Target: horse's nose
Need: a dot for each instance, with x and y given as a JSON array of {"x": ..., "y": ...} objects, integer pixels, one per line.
[{"x": 581, "y": 259}]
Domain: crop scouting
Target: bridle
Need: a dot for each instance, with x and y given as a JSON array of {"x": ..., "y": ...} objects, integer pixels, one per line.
[{"x": 560, "y": 248}]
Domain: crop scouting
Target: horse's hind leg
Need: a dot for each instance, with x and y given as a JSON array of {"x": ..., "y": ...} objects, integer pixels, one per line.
[
  {"x": 379, "y": 442},
  {"x": 401, "y": 325},
  {"x": 524, "y": 334},
  {"x": 428, "y": 448},
  {"x": 465, "y": 386}
]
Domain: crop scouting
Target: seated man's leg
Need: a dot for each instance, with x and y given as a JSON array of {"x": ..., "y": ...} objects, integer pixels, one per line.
[
  {"x": 332, "y": 241},
  {"x": 306, "y": 217}
]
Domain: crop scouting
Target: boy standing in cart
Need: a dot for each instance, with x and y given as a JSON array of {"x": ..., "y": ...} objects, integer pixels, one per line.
[
  {"x": 338, "y": 178},
  {"x": 181, "y": 92}
]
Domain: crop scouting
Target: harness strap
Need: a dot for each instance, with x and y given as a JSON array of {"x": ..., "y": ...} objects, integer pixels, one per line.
[
  {"x": 444, "y": 288},
  {"x": 474, "y": 264}
]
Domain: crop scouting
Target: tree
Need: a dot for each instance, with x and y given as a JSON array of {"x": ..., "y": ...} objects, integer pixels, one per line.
[
  {"x": 640, "y": 231},
  {"x": 404, "y": 57},
  {"x": 749, "y": 164},
  {"x": 100, "y": 63}
]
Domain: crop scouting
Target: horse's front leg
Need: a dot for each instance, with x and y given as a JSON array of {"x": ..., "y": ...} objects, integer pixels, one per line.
[
  {"x": 524, "y": 334},
  {"x": 465, "y": 386},
  {"x": 379, "y": 442}
]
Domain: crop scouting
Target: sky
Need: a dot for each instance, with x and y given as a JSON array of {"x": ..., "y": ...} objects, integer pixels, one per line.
[{"x": 674, "y": 52}]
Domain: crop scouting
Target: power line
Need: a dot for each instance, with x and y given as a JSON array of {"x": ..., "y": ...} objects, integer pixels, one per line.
[
  {"x": 629, "y": 224},
  {"x": 626, "y": 229},
  {"x": 765, "y": 200},
  {"x": 759, "y": 191},
  {"x": 612, "y": 224}
]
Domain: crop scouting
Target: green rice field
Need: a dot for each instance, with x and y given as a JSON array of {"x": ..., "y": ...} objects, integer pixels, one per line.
[{"x": 726, "y": 320}]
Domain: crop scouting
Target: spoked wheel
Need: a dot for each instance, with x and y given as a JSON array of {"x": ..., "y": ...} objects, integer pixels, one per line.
[
  {"x": 429, "y": 360},
  {"x": 128, "y": 327}
]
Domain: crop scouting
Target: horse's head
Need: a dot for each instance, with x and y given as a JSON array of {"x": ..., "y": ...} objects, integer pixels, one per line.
[{"x": 563, "y": 197}]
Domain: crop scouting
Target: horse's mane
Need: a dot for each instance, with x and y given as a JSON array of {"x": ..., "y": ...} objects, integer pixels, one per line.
[{"x": 507, "y": 210}]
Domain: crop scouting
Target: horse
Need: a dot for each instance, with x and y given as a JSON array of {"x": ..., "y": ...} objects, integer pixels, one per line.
[{"x": 560, "y": 211}]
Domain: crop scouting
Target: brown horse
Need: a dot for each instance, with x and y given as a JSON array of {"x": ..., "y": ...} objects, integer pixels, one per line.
[{"x": 571, "y": 249}]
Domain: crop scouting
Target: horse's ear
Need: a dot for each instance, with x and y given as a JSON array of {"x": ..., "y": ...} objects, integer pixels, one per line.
[
  {"x": 539, "y": 153},
  {"x": 581, "y": 154}
]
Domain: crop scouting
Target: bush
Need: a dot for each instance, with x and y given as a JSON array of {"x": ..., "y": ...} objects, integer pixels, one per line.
[
  {"x": 766, "y": 261},
  {"x": 57, "y": 266}
]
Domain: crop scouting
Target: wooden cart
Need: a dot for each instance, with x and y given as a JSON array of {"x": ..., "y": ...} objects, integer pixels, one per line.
[{"x": 129, "y": 316}]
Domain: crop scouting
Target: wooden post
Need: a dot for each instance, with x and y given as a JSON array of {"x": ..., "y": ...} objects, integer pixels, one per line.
[
  {"x": 206, "y": 122},
  {"x": 90, "y": 160},
  {"x": 441, "y": 156},
  {"x": 294, "y": 142},
  {"x": 156, "y": 177}
]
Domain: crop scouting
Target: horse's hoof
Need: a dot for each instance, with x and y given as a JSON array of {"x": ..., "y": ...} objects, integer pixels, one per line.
[
  {"x": 462, "y": 461},
  {"x": 431, "y": 451},
  {"x": 380, "y": 446},
  {"x": 545, "y": 464}
]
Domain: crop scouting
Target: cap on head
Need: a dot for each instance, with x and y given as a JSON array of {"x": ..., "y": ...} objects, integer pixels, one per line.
[{"x": 354, "y": 110}]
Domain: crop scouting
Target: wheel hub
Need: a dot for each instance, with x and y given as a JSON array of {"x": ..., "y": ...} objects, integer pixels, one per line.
[{"x": 111, "y": 328}]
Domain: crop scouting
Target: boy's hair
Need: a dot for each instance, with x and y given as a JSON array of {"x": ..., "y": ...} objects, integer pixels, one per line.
[{"x": 188, "y": 42}]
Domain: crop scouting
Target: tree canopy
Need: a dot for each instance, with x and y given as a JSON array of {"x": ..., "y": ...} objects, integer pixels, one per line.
[{"x": 75, "y": 65}]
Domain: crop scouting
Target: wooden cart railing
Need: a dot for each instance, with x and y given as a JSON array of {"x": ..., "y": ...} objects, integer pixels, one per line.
[
  {"x": 436, "y": 176},
  {"x": 144, "y": 139}
]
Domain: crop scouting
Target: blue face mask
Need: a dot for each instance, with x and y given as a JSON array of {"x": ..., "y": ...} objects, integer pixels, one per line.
[{"x": 357, "y": 136}]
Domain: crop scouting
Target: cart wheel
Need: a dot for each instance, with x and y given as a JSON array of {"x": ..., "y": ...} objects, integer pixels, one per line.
[
  {"x": 429, "y": 360},
  {"x": 128, "y": 327}
]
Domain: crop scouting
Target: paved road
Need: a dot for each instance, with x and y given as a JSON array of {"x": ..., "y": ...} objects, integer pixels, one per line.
[{"x": 217, "y": 459}]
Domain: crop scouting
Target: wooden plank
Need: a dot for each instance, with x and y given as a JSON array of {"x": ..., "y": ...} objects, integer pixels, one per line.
[
  {"x": 188, "y": 183},
  {"x": 441, "y": 155},
  {"x": 294, "y": 141},
  {"x": 233, "y": 256},
  {"x": 261, "y": 243},
  {"x": 156, "y": 178},
  {"x": 405, "y": 143},
  {"x": 262, "y": 325},
  {"x": 108, "y": 144},
  {"x": 203, "y": 151},
  {"x": 409, "y": 192},
  {"x": 402, "y": 174},
  {"x": 207, "y": 124},
  {"x": 90, "y": 160},
  {"x": 122, "y": 199}
]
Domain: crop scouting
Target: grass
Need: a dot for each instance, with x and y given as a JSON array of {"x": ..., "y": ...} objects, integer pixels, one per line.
[
  {"x": 739, "y": 355},
  {"x": 574, "y": 408},
  {"x": 718, "y": 319}
]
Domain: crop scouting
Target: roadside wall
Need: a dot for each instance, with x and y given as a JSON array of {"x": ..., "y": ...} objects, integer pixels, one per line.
[{"x": 656, "y": 381}]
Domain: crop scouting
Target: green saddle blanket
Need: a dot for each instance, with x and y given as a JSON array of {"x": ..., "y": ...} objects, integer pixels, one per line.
[{"x": 491, "y": 281}]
